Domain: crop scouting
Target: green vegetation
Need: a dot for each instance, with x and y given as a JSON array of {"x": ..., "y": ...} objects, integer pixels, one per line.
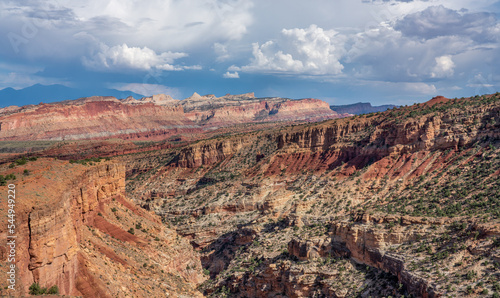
[
  {"x": 87, "y": 161},
  {"x": 22, "y": 161},
  {"x": 417, "y": 110},
  {"x": 35, "y": 289},
  {"x": 453, "y": 191},
  {"x": 4, "y": 179}
]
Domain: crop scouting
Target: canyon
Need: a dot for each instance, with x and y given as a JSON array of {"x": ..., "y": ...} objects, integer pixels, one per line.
[
  {"x": 404, "y": 202},
  {"x": 368, "y": 205}
]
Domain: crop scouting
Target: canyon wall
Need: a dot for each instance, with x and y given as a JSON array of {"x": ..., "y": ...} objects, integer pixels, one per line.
[
  {"x": 366, "y": 245},
  {"x": 93, "y": 118},
  {"x": 359, "y": 141},
  {"x": 152, "y": 118},
  {"x": 72, "y": 223},
  {"x": 50, "y": 220}
]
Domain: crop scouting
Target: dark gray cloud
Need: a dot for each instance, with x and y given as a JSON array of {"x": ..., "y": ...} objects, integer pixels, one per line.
[
  {"x": 385, "y": 1},
  {"x": 438, "y": 21},
  {"x": 102, "y": 25},
  {"x": 51, "y": 14},
  {"x": 192, "y": 24}
]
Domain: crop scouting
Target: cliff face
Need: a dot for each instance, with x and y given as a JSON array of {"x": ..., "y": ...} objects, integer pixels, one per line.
[
  {"x": 70, "y": 214},
  {"x": 54, "y": 229},
  {"x": 229, "y": 112},
  {"x": 152, "y": 118},
  {"x": 207, "y": 153},
  {"x": 94, "y": 118},
  {"x": 366, "y": 245},
  {"x": 358, "y": 142}
]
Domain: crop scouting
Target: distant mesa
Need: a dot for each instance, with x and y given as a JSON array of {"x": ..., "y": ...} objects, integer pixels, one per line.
[
  {"x": 158, "y": 99},
  {"x": 228, "y": 96},
  {"x": 156, "y": 117},
  {"x": 360, "y": 108},
  {"x": 249, "y": 95}
]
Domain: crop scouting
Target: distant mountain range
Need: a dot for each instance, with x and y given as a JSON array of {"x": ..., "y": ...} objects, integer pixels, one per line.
[
  {"x": 360, "y": 108},
  {"x": 42, "y": 93}
]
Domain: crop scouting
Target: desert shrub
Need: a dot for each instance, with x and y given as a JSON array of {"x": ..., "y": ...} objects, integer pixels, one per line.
[
  {"x": 54, "y": 290},
  {"x": 35, "y": 289},
  {"x": 21, "y": 161},
  {"x": 471, "y": 275}
]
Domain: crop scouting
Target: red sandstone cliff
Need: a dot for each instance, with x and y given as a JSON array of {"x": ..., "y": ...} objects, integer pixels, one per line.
[
  {"x": 92, "y": 118},
  {"x": 153, "y": 118},
  {"x": 71, "y": 227}
]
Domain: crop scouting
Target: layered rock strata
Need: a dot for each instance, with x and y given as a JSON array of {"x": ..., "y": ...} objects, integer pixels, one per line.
[
  {"x": 70, "y": 234},
  {"x": 152, "y": 118}
]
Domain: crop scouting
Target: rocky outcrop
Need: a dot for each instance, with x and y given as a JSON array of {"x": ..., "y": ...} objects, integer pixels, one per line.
[
  {"x": 367, "y": 246},
  {"x": 368, "y": 139},
  {"x": 206, "y": 153},
  {"x": 357, "y": 142}
]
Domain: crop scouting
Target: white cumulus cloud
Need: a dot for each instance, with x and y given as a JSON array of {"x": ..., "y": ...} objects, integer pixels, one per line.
[
  {"x": 125, "y": 57},
  {"x": 221, "y": 52},
  {"x": 231, "y": 75},
  {"x": 312, "y": 50},
  {"x": 444, "y": 67},
  {"x": 51, "y": 29},
  {"x": 421, "y": 88}
]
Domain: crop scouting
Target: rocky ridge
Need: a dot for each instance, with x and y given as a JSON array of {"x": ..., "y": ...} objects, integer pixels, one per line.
[{"x": 152, "y": 118}]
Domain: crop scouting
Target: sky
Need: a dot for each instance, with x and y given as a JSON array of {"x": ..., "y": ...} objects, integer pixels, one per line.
[{"x": 342, "y": 51}]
